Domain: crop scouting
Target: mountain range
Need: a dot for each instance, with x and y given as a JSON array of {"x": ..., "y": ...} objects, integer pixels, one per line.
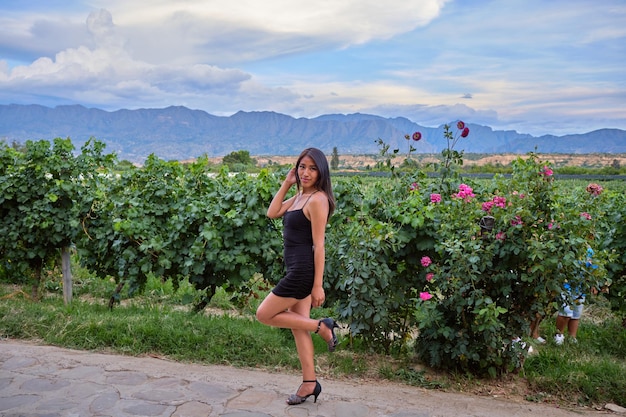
[{"x": 179, "y": 133}]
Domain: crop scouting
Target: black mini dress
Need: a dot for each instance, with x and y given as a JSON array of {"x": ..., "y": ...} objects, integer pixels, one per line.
[{"x": 298, "y": 255}]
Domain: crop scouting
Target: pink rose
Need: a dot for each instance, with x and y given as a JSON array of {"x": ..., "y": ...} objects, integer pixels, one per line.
[
  {"x": 465, "y": 192},
  {"x": 499, "y": 201},
  {"x": 425, "y": 261},
  {"x": 546, "y": 171},
  {"x": 429, "y": 276},
  {"x": 425, "y": 296},
  {"x": 594, "y": 189},
  {"x": 487, "y": 205},
  {"x": 435, "y": 198}
]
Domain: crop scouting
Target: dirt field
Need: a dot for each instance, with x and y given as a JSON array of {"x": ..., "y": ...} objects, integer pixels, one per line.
[{"x": 558, "y": 160}]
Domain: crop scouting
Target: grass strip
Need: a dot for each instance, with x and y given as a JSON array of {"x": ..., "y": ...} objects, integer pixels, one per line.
[{"x": 591, "y": 372}]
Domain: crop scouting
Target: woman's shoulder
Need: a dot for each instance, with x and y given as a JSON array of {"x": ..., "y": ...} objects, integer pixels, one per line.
[
  {"x": 319, "y": 197},
  {"x": 318, "y": 201},
  {"x": 320, "y": 193}
]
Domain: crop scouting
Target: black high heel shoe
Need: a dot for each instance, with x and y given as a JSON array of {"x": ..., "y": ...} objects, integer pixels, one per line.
[
  {"x": 330, "y": 323},
  {"x": 295, "y": 399}
]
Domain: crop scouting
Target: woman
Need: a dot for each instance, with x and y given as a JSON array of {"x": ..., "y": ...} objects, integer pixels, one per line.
[{"x": 289, "y": 304}]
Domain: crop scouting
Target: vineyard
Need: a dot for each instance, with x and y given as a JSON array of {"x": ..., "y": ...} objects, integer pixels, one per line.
[{"x": 457, "y": 265}]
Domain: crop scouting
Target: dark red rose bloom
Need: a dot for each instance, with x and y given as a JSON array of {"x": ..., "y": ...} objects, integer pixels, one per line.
[
  {"x": 460, "y": 125},
  {"x": 465, "y": 132},
  {"x": 417, "y": 136}
]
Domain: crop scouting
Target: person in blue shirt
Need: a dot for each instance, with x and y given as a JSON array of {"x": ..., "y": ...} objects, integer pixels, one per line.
[{"x": 572, "y": 309}]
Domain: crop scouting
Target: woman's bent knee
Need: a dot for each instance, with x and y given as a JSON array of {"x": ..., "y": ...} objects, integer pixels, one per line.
[{"x": 261, "y": 315}]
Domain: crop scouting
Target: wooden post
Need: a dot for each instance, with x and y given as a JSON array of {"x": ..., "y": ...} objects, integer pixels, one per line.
[{"x": 67, "y": 275}]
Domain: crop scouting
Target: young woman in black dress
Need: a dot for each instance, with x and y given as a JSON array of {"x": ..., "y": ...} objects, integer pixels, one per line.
[{"x": 305, "y": 216}]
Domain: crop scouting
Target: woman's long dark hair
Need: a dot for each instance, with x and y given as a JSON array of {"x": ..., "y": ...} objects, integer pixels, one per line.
[{"x": 323, "y": 178}]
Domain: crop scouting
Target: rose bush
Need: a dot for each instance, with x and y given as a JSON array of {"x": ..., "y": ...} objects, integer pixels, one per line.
[
  {"x": 468, "y": 264},
  {"x": 490, "y": 279}
]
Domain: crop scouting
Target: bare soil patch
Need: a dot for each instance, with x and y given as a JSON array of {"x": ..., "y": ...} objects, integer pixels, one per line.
[{"x": 363, "y": 161}]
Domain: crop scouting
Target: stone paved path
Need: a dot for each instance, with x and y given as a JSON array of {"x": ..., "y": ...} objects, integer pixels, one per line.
[{"x": 46, "y": 381}]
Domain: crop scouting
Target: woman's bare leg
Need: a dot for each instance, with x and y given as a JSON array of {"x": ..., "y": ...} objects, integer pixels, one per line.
[
  {"x": 304, "y": 346},
  {"x": 572, "y": 327},
  {"x": 277, "y": 312},
  {"x": 534, "y": 326},
  {"x": 561, "y": 323}
]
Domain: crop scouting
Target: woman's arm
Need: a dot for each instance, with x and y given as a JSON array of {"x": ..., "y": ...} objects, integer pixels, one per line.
[
  {"x": 318, "y": 214},
  {"x": 279, "y": 205}
]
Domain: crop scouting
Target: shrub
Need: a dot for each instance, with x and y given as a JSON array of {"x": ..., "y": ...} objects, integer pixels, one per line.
[
  {"x": 502, "y": 257},
  {"x": 469, "y": 265}
]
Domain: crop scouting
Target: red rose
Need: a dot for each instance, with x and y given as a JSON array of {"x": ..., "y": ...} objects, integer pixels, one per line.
[
  {"x": 465, "y": 132},
  {"x": 417, "y": 136},
  {"x": 460, "y": 125}
]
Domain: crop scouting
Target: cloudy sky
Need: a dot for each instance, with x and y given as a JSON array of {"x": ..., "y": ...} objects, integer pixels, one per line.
[{"x": 534, "y": 66}]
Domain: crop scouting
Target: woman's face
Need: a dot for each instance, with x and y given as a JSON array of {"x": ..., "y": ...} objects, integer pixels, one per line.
[{"x": 307, "y": 172}]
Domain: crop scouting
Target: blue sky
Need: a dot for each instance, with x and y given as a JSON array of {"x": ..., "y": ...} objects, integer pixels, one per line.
[{"x": 535, "y": 66}]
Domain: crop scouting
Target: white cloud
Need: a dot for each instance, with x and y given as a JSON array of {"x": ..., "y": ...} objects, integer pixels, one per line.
[
  {"x": 530, "y": 65},
  {"x": 108, "y": 74},
  {"x": 164, "y": 50},
  {"x": 228, "y": 33},
  {"x": 352, "y": 20},
  {"x": 28, "y": 35}
]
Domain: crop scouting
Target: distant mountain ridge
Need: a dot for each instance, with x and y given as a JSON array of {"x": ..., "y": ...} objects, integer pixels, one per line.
[{"x": 180, "y": 133}]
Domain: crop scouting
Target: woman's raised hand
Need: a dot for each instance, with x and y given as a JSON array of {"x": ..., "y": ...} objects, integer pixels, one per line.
[{"x": 291, "y": 176}]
